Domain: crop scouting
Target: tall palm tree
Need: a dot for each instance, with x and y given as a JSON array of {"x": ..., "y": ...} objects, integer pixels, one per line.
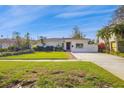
[
  {"x": 17, "y": 37},
  {"x": 42, "y": 40},
  {"x": 27, "y": 40}
]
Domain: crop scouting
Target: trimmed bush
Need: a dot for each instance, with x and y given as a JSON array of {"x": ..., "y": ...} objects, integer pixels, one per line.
[
  {"x": 59, "y": 49},
  {"x": 41, "y": 48},
  {"x": 48, "y": 48},
  {"x": 3, "y": 49},
  {"x": 28, "y": 51}
]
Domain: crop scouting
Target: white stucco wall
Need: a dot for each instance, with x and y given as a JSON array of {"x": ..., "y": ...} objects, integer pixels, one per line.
[
  {"x": 86, "y": 47},
  {"x": 54, "y": 43}
]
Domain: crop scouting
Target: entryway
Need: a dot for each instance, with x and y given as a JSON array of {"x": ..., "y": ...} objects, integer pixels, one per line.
[{"x": 68, "y": 46}]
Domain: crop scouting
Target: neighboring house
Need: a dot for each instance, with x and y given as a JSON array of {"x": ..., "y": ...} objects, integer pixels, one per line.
[
  {"x": 114, "y": 44},
  {"x": 70, "y": 44},
  {"x": 5, "y": 43}
]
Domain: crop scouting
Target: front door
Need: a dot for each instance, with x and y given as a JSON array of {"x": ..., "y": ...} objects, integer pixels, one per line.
[{"x": 68, "y": 46}]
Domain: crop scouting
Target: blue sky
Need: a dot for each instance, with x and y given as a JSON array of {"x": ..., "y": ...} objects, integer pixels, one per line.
[{"x": 54, "y": 21}]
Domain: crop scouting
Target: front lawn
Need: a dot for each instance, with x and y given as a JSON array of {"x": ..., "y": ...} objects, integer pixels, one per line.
[
  {"x": 40, "y": 55},
  {"x": 56, "y": 74}
]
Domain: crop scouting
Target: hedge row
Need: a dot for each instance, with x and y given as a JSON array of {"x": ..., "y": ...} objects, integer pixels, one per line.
[
  {"x": 48, "y": 48},
  {"x": 16, "y": 53}
]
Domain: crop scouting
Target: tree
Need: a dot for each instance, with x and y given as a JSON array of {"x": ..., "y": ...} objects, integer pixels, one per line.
[
  {"x": 27, "y": 40},
  {"x": 1, "y": 41},
  {"x": 118, "y": 30},
  {"x": 16, "y": 36},
  {"x": 42, "y": 40},
  {"x": 105, "y": 34},
  {"x": 118, "y": 16},
  {"x": 77, "y": 34},
  {"x": 117, "y": 24}
]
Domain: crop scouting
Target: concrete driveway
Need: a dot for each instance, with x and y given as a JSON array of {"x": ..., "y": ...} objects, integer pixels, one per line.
[{"x": 111, "y": 63}]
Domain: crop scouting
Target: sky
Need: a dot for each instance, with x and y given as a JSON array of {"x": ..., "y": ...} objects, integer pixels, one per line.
[{"x": 54, "y": 21}]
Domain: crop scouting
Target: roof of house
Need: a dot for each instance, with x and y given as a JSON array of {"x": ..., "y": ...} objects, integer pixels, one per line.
[{"x": 66, "y": 39}]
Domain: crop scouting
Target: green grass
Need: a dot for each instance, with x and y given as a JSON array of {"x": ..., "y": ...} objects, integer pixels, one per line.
[
  {"x": 121, "y": 54},
  {"x": 56, "y": 74},
  {"x": 117, "y": 54},
  {"x": 40, "y": 55}
]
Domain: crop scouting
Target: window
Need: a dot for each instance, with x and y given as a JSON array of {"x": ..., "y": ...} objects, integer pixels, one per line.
[
  {"x": 79, "y": 45},
  {"x": 91, "y": 42}
]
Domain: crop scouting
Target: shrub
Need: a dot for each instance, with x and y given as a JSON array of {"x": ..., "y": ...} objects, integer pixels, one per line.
[
  {"x": 59, "y": 49},
  {"x": 48, "y": 48},
  {"x": 115, "y": 53},
  {"x": 3, "y": 49},
  {"x": 14, "y": 48},
  {"x": 17, "y": 52},
  {"x": 101, "y": 47},
  {"x": 41, "y": 48}
]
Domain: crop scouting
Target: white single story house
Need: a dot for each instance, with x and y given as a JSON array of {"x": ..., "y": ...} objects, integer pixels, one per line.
[{"x": 70, "y": 44}]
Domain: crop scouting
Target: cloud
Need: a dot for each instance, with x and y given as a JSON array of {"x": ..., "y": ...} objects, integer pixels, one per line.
[
  {"x": 17, "y": 16},
  {"x": 52, "y": 20},
  {"x": 83, "y": 13}
]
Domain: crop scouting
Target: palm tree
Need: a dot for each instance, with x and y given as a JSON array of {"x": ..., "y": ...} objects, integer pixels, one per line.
[
  {"x": 42, "y": 40},
  {"x": 100, "y": 34},
  {"x": 16, "y": 36},
  {"x": 27, "y": 40}
]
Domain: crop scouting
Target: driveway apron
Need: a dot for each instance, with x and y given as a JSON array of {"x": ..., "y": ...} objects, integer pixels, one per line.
[{"x": 113, "y": 64}]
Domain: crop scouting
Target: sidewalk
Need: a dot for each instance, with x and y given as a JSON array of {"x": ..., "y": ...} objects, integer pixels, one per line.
[{"x": 44, "y": 60}]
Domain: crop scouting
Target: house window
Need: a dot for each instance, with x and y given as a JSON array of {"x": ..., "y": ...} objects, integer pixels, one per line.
[
  {"x": 91, "y": 42},
  {"x": 79, "y": 45}
]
